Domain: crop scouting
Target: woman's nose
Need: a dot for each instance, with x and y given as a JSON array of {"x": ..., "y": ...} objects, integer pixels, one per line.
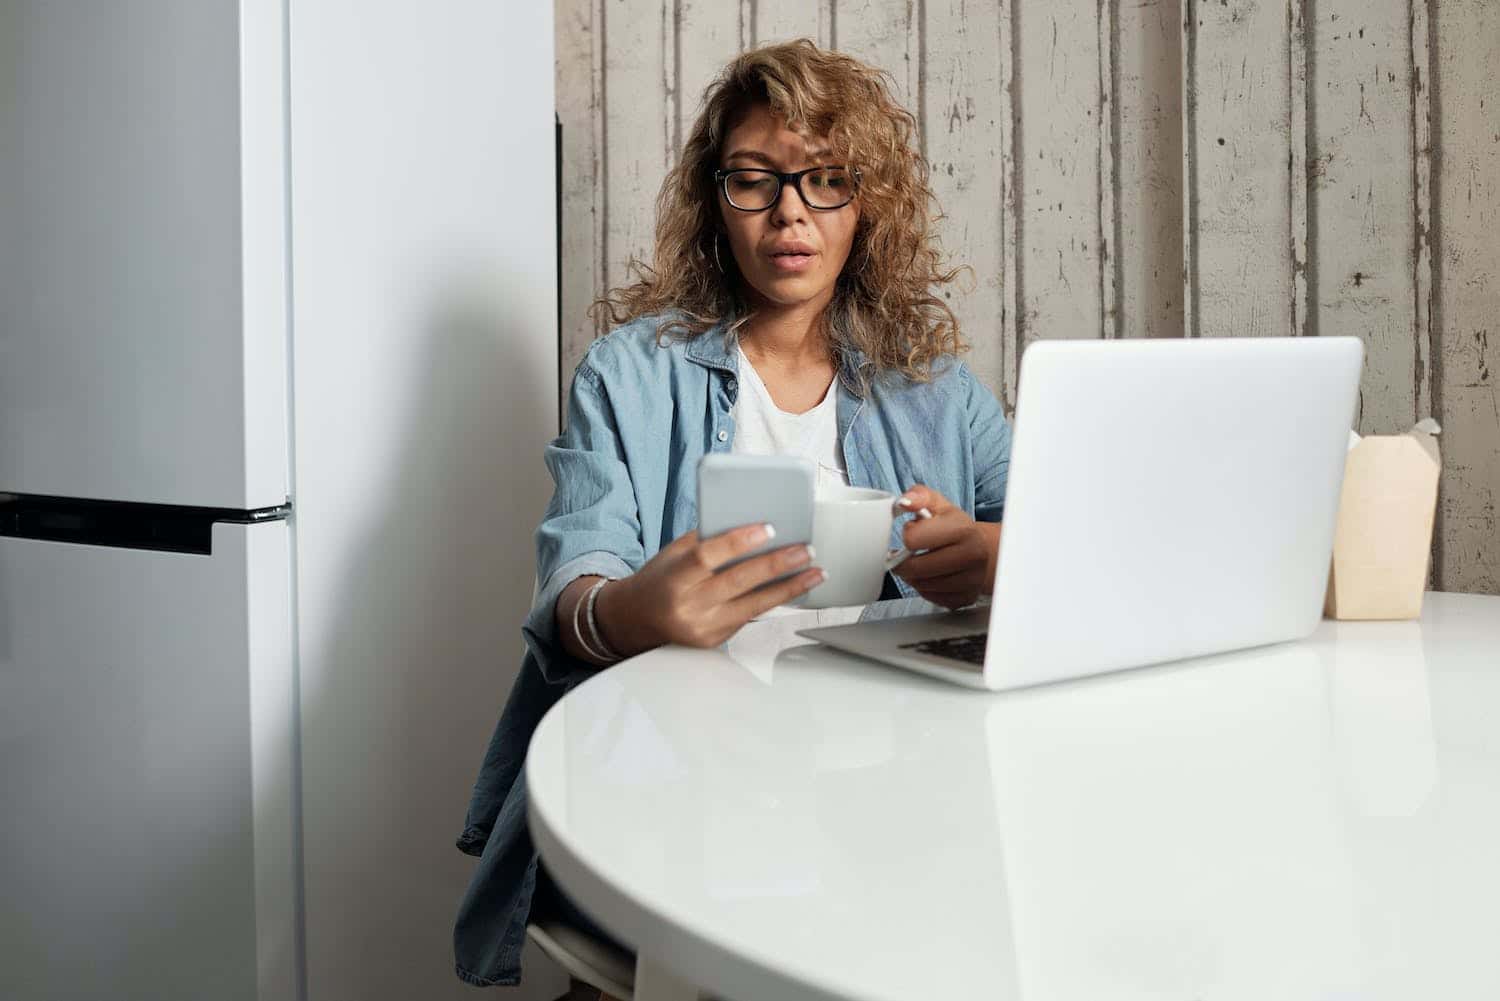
[{"x": 790, "y": 207}]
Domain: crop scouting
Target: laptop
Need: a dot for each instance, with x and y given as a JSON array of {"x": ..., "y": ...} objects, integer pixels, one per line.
[{"x": 1166, "y": 499}]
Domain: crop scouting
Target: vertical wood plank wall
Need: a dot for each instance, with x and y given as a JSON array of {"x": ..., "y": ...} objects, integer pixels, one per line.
[
  {"x": 1133, "y": 168},
  {"x": 1238, "y": 147},
  {"x": 1360, "y": 196},
  {"x": 1464, "y": 63}
]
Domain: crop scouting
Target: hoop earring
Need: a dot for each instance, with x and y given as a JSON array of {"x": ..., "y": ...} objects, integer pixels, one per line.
[{"x": 716, "y": 254}]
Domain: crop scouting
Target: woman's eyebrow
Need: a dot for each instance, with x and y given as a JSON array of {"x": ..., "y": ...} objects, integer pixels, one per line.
[
  {"x": 759, "y": 157},
  {"x": 751, "y": 154}
]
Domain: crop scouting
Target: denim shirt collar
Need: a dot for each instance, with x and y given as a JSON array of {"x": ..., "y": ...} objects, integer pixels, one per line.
[{"x": 715, "y": 348}]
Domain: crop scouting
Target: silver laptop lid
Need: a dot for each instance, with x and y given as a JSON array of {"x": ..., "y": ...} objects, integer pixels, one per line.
[{"x": 1168, "y": 498}]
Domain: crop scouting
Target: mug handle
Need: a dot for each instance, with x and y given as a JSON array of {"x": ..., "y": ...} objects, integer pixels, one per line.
[{"x": 900, "y": 556}]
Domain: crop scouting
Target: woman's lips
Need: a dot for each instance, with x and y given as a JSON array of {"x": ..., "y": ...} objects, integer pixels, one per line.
[{"x": 792, "y": 262}]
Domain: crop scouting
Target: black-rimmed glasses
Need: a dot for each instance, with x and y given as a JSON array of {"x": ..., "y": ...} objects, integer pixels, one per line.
[{"x": 752, "y": 189}]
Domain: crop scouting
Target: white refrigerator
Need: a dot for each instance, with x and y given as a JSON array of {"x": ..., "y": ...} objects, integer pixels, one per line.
[{"x": 277, "y": 335}]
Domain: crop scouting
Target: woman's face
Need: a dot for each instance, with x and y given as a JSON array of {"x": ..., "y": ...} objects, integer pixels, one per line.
[{"x": 789, "y": 254}]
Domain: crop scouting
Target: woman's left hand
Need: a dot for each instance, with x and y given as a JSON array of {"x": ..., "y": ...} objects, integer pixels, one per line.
[{"x": 959, "y": 564}]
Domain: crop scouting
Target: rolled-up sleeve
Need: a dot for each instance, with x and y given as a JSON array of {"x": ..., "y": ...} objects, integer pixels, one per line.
[
  {"x": 592, "y": 524},
  {"x": 989, "y": 438}
]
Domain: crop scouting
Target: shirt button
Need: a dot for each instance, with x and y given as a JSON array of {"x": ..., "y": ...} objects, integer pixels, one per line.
[
  {"x": 731, "y": 385},
  {"x": 723, "y": 435}
]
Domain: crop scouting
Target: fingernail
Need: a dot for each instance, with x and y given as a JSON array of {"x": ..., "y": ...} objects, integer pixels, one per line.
[
  {"x": 769, "y": 529},
  {"x": 904, "y": 502},
  {"x": 923, "y": 513},
  {"x": 822, "y": 576},
  {"x": 811, "y": 554}
]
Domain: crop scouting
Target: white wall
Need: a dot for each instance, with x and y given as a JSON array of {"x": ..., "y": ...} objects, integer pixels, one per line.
[{"x": 424, "y": 367}]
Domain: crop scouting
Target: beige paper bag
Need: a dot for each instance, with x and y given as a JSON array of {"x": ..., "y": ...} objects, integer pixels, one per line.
[{"x": 1383, "y": 541}]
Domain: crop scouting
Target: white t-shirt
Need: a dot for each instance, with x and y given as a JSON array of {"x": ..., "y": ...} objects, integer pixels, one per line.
[{"x": 762, "y": 428}]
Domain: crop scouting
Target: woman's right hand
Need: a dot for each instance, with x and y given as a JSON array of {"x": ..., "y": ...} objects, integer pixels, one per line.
[{"x": 678, "y": 598}]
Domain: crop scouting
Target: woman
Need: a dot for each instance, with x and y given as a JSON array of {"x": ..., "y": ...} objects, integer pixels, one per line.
[{"x": 792, "y": 307}]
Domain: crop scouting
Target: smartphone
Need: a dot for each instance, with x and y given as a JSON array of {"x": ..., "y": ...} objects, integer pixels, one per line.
[{"x": 735, "y": 490}]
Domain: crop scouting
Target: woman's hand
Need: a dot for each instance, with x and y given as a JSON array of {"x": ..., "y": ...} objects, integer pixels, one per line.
[
  {"x": 959, "y": 564},
  {"x": 678, "y": 598}
]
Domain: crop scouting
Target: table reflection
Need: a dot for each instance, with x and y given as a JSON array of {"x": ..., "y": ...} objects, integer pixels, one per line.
[
  {"x": 1166, "y": 832},
  {"x": 1382, "y": 719}
]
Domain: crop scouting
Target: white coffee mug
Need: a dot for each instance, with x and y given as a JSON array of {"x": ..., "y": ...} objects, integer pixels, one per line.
[{"x": 851, "y": 536}]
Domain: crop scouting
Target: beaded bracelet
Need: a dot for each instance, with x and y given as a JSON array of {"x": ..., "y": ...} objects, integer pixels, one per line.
[{"x": 608, "y": 654}]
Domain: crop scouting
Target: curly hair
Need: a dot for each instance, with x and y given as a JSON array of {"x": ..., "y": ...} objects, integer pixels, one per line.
[{"x": 884, "y": 303}]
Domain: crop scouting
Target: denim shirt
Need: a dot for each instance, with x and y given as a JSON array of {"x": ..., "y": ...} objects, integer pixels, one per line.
[{"x": 640, "y": 416}]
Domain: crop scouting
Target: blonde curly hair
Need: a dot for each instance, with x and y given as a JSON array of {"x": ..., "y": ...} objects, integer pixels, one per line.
[{"x": 884, "y": 302}]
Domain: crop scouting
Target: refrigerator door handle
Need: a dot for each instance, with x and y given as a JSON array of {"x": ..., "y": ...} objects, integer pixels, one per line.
[{"x": 169, "y": 528}]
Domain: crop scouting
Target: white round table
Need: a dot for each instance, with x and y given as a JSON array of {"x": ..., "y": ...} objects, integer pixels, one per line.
[{"x": 774, "y": 820}]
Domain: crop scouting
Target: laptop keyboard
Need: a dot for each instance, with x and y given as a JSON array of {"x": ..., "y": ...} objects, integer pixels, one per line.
[{"x": 969, "y": 649}]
